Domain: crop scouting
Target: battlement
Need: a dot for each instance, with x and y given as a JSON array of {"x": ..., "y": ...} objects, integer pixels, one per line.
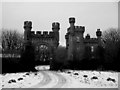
[
  {"x": 38, "y": 38},
  {"x": 40, "y": 34},
  {"x": 80, "y": 28},
  {"x": 91, "y": 40},
  {"x": 32, "y": 32},
  {"x": 45, "y": 33}
]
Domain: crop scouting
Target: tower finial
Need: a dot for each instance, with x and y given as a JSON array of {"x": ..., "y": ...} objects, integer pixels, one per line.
[
  {"x": 55, "y": 26},
  {"x": 87, "y": 36},
  {"x": 98, "y": 33},
  {"x": 71, "y": 20},
  {"x": 27, "y": 24}
]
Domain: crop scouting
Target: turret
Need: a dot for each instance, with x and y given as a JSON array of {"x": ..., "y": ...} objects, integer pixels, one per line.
[
  {"x": 98, "y": 33},
  {"x": 72, "y": 22},
  {"x": 27, "y": 25},
  {"x": 78, "y": 33},
  {"x": 27, "y": 30},
  {"x": 87, "y": 36},
  {"x": 56, "y": 28}
]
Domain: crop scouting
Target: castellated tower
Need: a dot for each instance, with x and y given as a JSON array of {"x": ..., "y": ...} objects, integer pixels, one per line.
[
  {"x": 69, "y": 38},
  {"x": 56, "y": 28},
  {"x": 75, "y": 41},
  {"x": 27, "y": 31},
  {"x": 99, "y": 34},
  {"x": 79, "y": 42}
]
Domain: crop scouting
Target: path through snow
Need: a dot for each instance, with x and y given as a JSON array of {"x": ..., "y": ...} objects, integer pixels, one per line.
[{"x": 66, "y": 79}]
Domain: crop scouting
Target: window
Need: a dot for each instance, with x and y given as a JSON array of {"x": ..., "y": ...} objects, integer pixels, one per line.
[
  {"x": 92, "y": 49},
  {"x": 41, "y": 48}
]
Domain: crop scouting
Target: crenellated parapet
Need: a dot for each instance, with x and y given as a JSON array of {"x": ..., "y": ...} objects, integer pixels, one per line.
[
  {"x": 90, "y": 40},
  {"x": 44, "y": 34},
  {"x": 38, "y": 32},
  {"x": 93, "y": 40},
  {"x": 80, "y": 29},
  {"x": 28, "y": 34}
]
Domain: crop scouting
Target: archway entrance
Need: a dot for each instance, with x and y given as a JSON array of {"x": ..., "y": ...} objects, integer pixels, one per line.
[{"x": 43, "y": 54}]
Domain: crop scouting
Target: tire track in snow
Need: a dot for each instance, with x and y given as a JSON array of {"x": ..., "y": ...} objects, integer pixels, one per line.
[
  {"x": 61, "y": 80},
  {"x": 46, "y": 80},
  {"x": 51, "y": 79}
]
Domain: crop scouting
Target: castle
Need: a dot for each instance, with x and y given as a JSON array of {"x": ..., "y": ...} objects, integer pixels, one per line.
[
  {"x": 45, "y": 43},
  {"x": 76, "y": 44}
]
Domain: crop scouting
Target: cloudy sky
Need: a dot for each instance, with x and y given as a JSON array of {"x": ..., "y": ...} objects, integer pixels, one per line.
[{"x": 92, "y": 15}]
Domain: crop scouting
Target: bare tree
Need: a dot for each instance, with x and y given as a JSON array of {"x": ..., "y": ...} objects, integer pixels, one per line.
[
  {"x": 111, "y": 43},
  {"x": 11, "y": 40}
]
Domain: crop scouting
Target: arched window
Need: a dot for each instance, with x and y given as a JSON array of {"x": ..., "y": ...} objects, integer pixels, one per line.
[
  {"x": 92, "y": 48},
  {"x": 41, "y": 48}
]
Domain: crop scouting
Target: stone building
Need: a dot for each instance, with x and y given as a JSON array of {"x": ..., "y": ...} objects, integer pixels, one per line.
[
  {"x": 77, "y": 46},
  {"x": 44, "y": 42}
]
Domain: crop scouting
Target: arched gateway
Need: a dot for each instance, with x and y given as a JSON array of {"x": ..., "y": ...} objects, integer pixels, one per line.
[{"x": 44, "y": 43}]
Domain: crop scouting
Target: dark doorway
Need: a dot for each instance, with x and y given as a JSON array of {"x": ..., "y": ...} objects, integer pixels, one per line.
[{"x": 42, "y": 53}]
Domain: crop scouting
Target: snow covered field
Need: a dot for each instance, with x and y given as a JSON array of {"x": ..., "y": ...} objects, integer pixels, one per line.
[{"x": 67, "y": 79}]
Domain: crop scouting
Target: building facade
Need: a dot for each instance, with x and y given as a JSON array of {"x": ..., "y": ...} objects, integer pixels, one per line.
[
  {"x": 44, "y": 42},
  {"x": 77, "y": 46}
]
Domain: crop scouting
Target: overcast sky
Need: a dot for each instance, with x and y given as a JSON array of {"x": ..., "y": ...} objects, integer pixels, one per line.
[{"x": 92, "y": 15}]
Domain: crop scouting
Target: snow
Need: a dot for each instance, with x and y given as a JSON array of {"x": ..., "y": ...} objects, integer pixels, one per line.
[
  {"x": 27, "y": 79},
  {"x": 96, "y": 79},
  {"x": 56, "y": 79},
  {"x": 46, "y": 67}
]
